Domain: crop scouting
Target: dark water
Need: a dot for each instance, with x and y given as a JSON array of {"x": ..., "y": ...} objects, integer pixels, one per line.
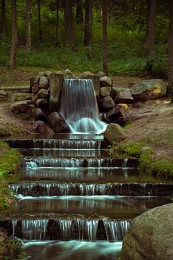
[{"x": 75, "y": 201}]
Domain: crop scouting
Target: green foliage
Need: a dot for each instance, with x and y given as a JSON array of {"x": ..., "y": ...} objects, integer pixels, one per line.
[
  {"x": 152, "y": 165},
  {"x": 9, "y": 162},
  {"x": 128, "y": 150}
]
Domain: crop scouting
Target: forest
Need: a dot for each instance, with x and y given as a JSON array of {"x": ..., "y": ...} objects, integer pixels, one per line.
[{"x": 121, "y": 37}]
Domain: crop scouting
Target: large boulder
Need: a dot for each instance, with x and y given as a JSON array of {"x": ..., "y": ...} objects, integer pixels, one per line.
[
  {"x": 107, "y": 103},
  {"x": 57, "y": 123},
  {"x": 42, "y": 128},
  {"x": 149, "y": 89},
  {"x": 105, "y": 91},
  {"x": 122, "y": 95},
  {"x": 114, "y": 133},
  {"x": 150, "y": 236},
  {"x": 105, "y": 81},
  {"x": 19, "y": 107}
]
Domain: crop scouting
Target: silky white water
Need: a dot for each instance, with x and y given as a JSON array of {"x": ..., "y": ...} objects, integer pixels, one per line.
[{"x": 79, "y": 108}]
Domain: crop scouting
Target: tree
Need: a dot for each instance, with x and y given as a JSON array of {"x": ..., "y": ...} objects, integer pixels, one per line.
[
  {"x": 105, "y": 43},
  {"x": 88, "y": 23},
  {"x": 170, "y": 51},
  {"x": 68, "y": 15},
  {"x": 39, "y": 21},
  {"x": 57, "y": 23},
  {"x": 28, "y": 25},
  {"x": 3, "y": 20},
  {"x": 79, "y": 12},
  {"x": 12, "y": 62},
  {"x": 150, "y": 34}
]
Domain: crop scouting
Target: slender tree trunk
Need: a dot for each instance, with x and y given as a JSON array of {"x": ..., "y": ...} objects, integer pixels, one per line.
[
  {"x": 12, "y": 62},
  {"x": 150, "y": 35},
  {"x": 39, "y": 21},
  {"x": 28, "y": 25},
  {"x": 105, "y": 38},
  {"x": 79, "y": 12},
  {"x": 88, "y": 23},
  {"x": 170, "y": 51},
  {"x": 68, "y": 14},
  {"x": 57, "y": 23},
  {"x": 3, "y": 20}
]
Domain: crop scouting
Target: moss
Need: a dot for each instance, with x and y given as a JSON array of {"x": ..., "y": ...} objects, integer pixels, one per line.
[
  {"x": 153, "y": 165},
  {"x": 148, "y": 161},
  {"x": 9, "y": 163}
]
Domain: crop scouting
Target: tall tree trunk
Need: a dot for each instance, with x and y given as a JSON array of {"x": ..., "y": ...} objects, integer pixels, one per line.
[
  {"x": 150, "y": 34},
  {"x": 28, "y": 25},
  {"x": 170, "y": 51},
  {"x": 3, "y": 20},
  {"x": 105, "y": 38},
  {"x": 12, "y": 62},
  {"x": 39, "y": 21},
  {"x": 88, "y": 23},
  {"x": 79, "y": 12},
  {"x": 57, "y": 23},
  {"x": 68, "y": 14}
]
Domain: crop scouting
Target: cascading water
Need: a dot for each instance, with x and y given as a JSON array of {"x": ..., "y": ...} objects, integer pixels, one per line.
[{"x": 78, "y": 106}]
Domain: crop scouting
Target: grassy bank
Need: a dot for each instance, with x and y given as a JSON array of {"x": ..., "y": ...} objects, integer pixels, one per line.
[
  {"x": 149, "y": 162},
  {"x": 9, "y": 163}
]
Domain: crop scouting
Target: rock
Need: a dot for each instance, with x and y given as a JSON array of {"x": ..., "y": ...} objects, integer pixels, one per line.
[
  {"x": 114, "y": 133},
  {"x": 3, "y": 94},
  {"x": 57, "y": 123},
  {"x": 43, "y": 82},
  {"x": 105, "y": 91},
  {"x": 68, "y": 74},
  {"x": 122, "y": 95},
  {"x": 107, "y": 103},
  {"x": 40, "y": 115},
  {"x": 35, "y": 88},
  {"x": 47, "y": 73},
  {"x": 150, "y": 236},
  {"x": 42, "y": 103},
  {"x": 149, "y": 89},
  {"x": 114, "y": 114},
  {"x": 19, "y": 107},
  {"x": 43, "y": 93},
  {"x": 20, "y": 97},
  {"x": 105, "y": 81},
  {"x": 42, "y": 128},
  {"x": 37, "y": 78},
  {"x": 100, "y": 74},
  {"x": 30, "y": 109},
  {"x": 86, "y": 75}
]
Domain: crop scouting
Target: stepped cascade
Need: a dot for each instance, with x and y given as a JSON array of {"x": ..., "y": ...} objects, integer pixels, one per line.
[
  {"x": 81, "y": 113},
  {"x": 74, "y": 200}
]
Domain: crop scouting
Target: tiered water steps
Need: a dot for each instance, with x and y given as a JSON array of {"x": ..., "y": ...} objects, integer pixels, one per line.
[{"x": 72, "y": 190}]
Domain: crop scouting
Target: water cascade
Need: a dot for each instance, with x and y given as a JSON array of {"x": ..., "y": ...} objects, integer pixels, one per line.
[
  {"x": 78, "y": 106},
  {"x": 74, "y": 200}
]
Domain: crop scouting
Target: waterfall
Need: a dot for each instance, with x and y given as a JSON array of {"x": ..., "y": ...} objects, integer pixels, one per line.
[{"x": 79, "y": 108}]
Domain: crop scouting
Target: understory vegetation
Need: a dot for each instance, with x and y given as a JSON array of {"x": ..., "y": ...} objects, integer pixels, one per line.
[
  {"x": 9, "y": 163},
  {"x": 149, "y": 162}
]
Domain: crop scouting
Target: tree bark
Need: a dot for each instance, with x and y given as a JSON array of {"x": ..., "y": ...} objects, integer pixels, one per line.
[
  {"x": 39, "y": 21},
  {"x": 57, "y": 23},
  {"x": 170, "y": 51},
  {"x": 28, "y": 25},
  {"x": 12, "y": 62},
  {"x": 105, "y": 43},
  {"x": 79, "y": 12},
  {"x": 150, "y": 34},
  {"x": 68, "y": 15},
  {"x": 4, "y": 33},
  {"x": 88, "y": 23}
]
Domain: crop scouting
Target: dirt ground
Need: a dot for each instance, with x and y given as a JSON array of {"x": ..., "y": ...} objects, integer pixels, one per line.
[{"x": 151, "y": 121}]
